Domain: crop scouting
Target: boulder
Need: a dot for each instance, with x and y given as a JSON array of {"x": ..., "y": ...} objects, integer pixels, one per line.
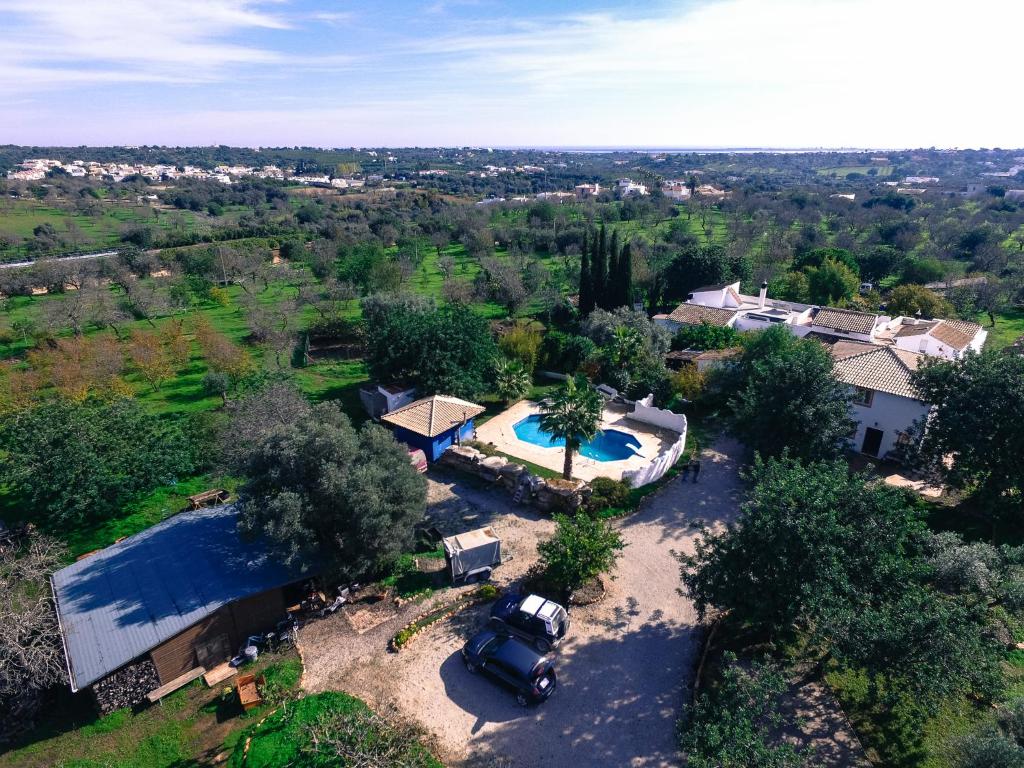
[{"x": 558, "y": 495}]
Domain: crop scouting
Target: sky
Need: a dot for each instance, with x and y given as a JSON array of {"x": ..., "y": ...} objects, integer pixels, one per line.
[{"x": 576, "y": 73}]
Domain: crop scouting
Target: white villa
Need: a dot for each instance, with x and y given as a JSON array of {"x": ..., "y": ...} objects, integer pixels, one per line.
[
  {"x": 874, "y": 353},
  {"x": 627, "y": 187}
]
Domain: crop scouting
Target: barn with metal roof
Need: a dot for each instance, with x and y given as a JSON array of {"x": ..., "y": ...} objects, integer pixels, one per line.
[{"x": 184, "y": 593}]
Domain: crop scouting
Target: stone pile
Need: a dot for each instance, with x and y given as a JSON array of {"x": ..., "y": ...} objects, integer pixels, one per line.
[{"x": 547, "y": 494}]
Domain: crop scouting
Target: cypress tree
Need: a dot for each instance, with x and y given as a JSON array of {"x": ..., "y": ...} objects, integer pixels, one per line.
[
  {"x": 611, "y": 294},
  {"x": 586, "y": 280},
  {"x": 625, "y": 276},
  {"x": 599, "y": 267}
]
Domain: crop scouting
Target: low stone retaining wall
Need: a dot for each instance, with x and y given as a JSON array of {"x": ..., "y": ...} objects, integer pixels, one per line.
[{"x": 547, "y": 494}]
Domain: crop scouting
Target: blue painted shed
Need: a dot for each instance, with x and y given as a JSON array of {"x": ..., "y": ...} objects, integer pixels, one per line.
[{"x": 434, "y": 423}]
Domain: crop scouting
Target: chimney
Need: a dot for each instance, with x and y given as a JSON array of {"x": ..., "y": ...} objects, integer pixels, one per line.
[{"x": 764, "y": 294}]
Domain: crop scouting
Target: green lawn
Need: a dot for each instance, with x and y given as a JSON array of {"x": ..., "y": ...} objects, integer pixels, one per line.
[
  {"x": 282, "y": 739},
  {"x": 842, "y": 170},
  {"x": 1008, "y": 328},
  {"x": 187, "y": 728},
  {"x": 20, "y": 217}
]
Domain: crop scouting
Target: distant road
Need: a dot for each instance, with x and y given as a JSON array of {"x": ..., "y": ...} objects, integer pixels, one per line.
[{"x": 75, "y": 257}]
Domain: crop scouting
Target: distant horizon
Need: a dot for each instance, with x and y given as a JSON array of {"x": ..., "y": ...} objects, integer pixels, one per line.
[
  {"x": 596, "y": 149},
  {"x": 782, "y": 75}
]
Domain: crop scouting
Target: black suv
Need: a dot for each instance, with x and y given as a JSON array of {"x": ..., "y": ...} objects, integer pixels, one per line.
[
  {"x": 538, "y": 621},
  {"x": 530, "y": 674}
]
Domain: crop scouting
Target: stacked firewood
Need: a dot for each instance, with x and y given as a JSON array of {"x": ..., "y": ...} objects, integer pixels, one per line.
[{"x": 126, "y": 687}]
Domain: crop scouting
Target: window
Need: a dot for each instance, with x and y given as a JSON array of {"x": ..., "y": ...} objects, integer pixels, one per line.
[{"x": 863, "y": 396}]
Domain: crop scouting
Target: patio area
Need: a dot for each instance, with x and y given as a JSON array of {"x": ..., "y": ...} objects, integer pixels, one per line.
[{"x": 500, "y": 433}]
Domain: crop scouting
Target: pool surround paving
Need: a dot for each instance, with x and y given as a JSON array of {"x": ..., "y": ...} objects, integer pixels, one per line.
[{"x": 500, "y": 433}]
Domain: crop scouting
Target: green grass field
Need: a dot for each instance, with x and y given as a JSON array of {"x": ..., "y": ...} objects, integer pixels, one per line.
[
  {"x": 842, "y": 170},
  {"x": 1008, "y": 328},
  {"x": 18, "y": 219},
  {"x": 188, "y": 728}
]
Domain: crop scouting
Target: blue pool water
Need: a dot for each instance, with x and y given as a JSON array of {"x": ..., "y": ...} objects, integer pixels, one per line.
[{"x": 608, "y": 445}]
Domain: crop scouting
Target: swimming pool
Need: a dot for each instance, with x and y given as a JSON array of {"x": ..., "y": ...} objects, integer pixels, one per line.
[{"x": 607, "y": 445}]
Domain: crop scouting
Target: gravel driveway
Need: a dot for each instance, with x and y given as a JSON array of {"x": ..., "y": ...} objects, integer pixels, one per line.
[{"x": 621, "y": 672}]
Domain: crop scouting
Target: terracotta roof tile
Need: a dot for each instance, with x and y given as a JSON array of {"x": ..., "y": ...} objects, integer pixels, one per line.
[
  {"x": 695, "y": 314},
  {"x": 883, "y": 369},
  {"x": 956, "y": 333},
  {"x": 915, "y": 329},
  {"x": 433, "y": 415},
  {"x": 846, "y": 320}
]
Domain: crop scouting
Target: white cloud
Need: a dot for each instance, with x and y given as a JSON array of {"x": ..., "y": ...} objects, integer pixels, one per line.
[
  {"x": 67, "y": 42},
  {"x": 712, "y": 73}
]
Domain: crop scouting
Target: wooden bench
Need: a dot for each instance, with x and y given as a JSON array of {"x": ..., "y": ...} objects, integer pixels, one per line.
[
  {"x": 206, "y": 498},
  {"x": 178, "y": 682},
  {"x": 219, "y": 674}
]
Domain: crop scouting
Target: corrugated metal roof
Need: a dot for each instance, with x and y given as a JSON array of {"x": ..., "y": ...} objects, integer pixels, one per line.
[{"x": 128, "y": 598}]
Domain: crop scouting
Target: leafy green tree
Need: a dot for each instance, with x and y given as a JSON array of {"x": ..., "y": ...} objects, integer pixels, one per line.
[
  {"x": 973, "y": 439},
  {"x": 572, "y": 413},
  {"x": 815, "y": 257},
  {"x": 696, "y": 266},
  {"x": 737, "y": 724},
  {"x": 447, "y": 349},
  {"x": 823, "y": 539},
  {"x": 787, "y": 398},
  {"x": 70, "y": 462},
  {"x": 581, "y": 549},
  {"x": 930, "y": 647},
  {"x": 318, "y": 485},
  {"x": 705, "y": 336},
  {"x": 844, "y": 561},
  {"x": 832, "y": 282},
  {"x": 566, "y": 352},
  {"x": 601, "y": 326},
  {"x": 511, "y": 380},
  {"x": 791, "y": 286},
  {"x": 990, "y": 751},
  {"x": 910, "y": 299},
  {"x": 919, "y": 269}
]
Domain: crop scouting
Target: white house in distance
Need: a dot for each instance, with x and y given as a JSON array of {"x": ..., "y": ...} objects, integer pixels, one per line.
[
  {"x": 874, "y": 353},
  {"x": 627, "y": 187},
  {"x": 676, "y": 189}
]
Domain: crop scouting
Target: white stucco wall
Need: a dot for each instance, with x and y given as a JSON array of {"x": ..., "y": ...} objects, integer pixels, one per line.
[
  {"x": 646, "y": 413},
  {"x": 891, "y": 414}
]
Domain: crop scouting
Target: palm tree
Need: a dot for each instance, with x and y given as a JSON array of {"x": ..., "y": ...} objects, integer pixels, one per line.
[
  {"x": 573, "y": 414},
  {"x": 511, "y": 380}
]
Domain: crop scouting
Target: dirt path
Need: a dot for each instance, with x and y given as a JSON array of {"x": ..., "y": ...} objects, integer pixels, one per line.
[{"x": 622, "y": 672}]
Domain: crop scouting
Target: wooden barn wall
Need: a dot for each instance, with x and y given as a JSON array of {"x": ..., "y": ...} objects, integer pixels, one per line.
[
  {"x": 238, "y": 620},
  {"x": 258, "y": 613}
]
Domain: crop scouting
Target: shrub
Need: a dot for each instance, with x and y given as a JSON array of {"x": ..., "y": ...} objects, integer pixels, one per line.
[
  {"x": 485, "y": 448},
  {"x": 581, "y": 549},
  {"x": 688, "y": 382},
  {"x": 705, "y": 336},
  {"x": 522, "y": 343},
  {"x": 488, "y": 592},
  {"x": 607, "y": 493}
]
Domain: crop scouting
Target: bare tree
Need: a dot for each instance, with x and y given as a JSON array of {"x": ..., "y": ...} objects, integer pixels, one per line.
[{"x": 31, "y": 654}]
